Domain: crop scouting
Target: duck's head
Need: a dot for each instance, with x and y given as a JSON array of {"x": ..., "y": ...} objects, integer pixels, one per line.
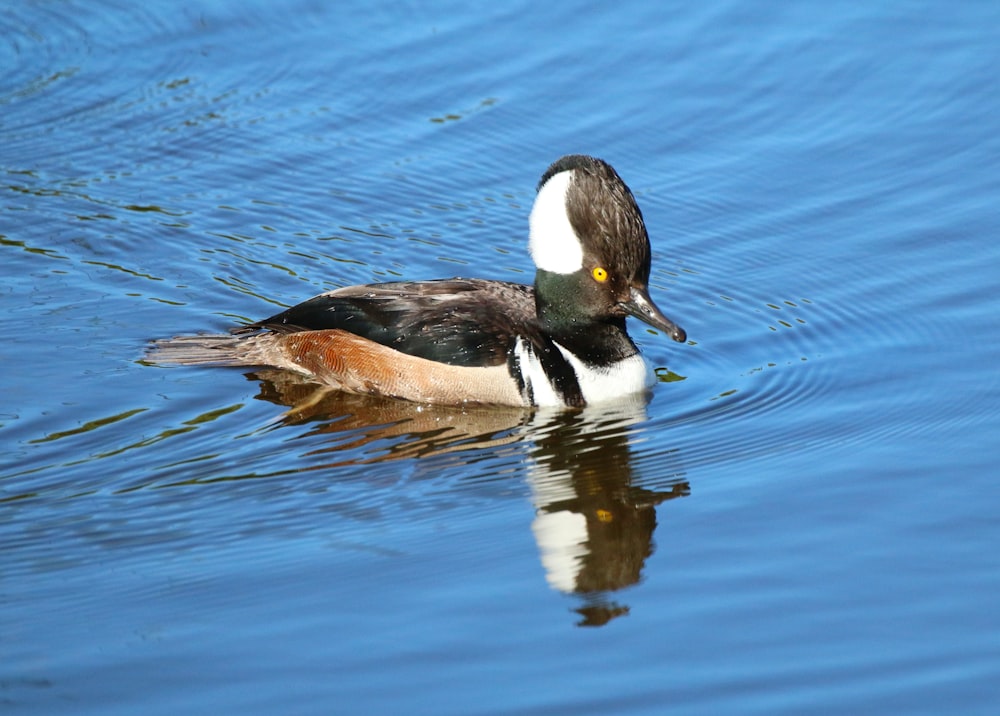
[{"x": 590, "y": 246}]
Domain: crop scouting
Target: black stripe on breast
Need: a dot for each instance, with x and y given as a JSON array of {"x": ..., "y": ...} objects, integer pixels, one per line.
[
  {"x": 558, "y": 371},
  {"x": 561, "y": 374},
  {"x": 516, "y": 372}
]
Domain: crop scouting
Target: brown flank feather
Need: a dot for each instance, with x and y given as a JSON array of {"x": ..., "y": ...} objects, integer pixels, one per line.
[{"x": 348, "y": 362}]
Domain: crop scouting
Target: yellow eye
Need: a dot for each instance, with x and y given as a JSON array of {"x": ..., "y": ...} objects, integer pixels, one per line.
[{"x": 600, "y": 274}]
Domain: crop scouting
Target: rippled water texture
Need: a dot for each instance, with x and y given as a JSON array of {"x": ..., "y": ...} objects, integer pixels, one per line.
[{"x": 803, "y": 513}]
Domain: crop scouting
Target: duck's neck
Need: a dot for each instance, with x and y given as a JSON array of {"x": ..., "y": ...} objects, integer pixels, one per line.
[{"x": 560, "y": 303}]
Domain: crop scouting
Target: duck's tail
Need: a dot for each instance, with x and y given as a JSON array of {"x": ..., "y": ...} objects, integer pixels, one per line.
[{"x": 208, "y": 349}]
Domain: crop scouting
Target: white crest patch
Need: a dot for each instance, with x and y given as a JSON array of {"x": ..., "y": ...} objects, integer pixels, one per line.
[{"x": 553, "y": 244}]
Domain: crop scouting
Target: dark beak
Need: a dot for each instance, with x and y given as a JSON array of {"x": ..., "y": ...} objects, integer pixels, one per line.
[{"x": 642, "y": 307}]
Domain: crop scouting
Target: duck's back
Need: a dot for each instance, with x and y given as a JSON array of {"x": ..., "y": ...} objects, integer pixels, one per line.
[{"x": 460, "y": 322}]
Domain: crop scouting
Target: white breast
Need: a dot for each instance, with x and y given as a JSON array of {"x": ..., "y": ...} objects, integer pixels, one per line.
[
  {"x": 598, "y": 384},
  {"x": 601, "y": 384}
]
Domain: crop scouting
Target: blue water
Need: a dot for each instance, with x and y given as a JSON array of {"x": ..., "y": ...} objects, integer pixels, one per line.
[{"x": 803, "y": 517}]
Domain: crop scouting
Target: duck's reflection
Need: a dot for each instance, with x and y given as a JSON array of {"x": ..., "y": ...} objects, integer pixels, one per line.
[{"x": 593, "y": 526}]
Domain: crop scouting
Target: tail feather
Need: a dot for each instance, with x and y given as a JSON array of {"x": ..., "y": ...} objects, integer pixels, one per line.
[{"x": 207, "y": 349}]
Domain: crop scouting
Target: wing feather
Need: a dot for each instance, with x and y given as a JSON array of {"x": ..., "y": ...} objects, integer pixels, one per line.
[{"x": 461, "y": 322}]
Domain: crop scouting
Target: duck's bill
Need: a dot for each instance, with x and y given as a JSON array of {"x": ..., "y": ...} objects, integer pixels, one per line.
[{"x": 642, "y": 307}]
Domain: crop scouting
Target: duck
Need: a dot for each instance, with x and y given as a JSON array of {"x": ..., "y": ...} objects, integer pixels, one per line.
[{"x": 559, "y": 342}]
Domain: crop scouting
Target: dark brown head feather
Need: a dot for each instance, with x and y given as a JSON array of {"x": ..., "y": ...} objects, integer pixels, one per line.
[{"x": 605, "y": 215}]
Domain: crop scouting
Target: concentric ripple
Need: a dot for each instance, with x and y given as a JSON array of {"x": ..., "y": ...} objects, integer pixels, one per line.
[{"x": 787, "y": 361}]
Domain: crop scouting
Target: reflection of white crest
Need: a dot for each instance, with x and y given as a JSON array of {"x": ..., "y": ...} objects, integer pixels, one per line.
[{"x": 562, "y": 542}]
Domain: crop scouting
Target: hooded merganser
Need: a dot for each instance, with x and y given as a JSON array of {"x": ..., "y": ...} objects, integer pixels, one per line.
[{"x": 562, "y": 342}]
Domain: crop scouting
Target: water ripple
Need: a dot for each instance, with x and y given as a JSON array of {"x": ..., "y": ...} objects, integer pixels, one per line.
[{"x": 823, "y": 341}]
